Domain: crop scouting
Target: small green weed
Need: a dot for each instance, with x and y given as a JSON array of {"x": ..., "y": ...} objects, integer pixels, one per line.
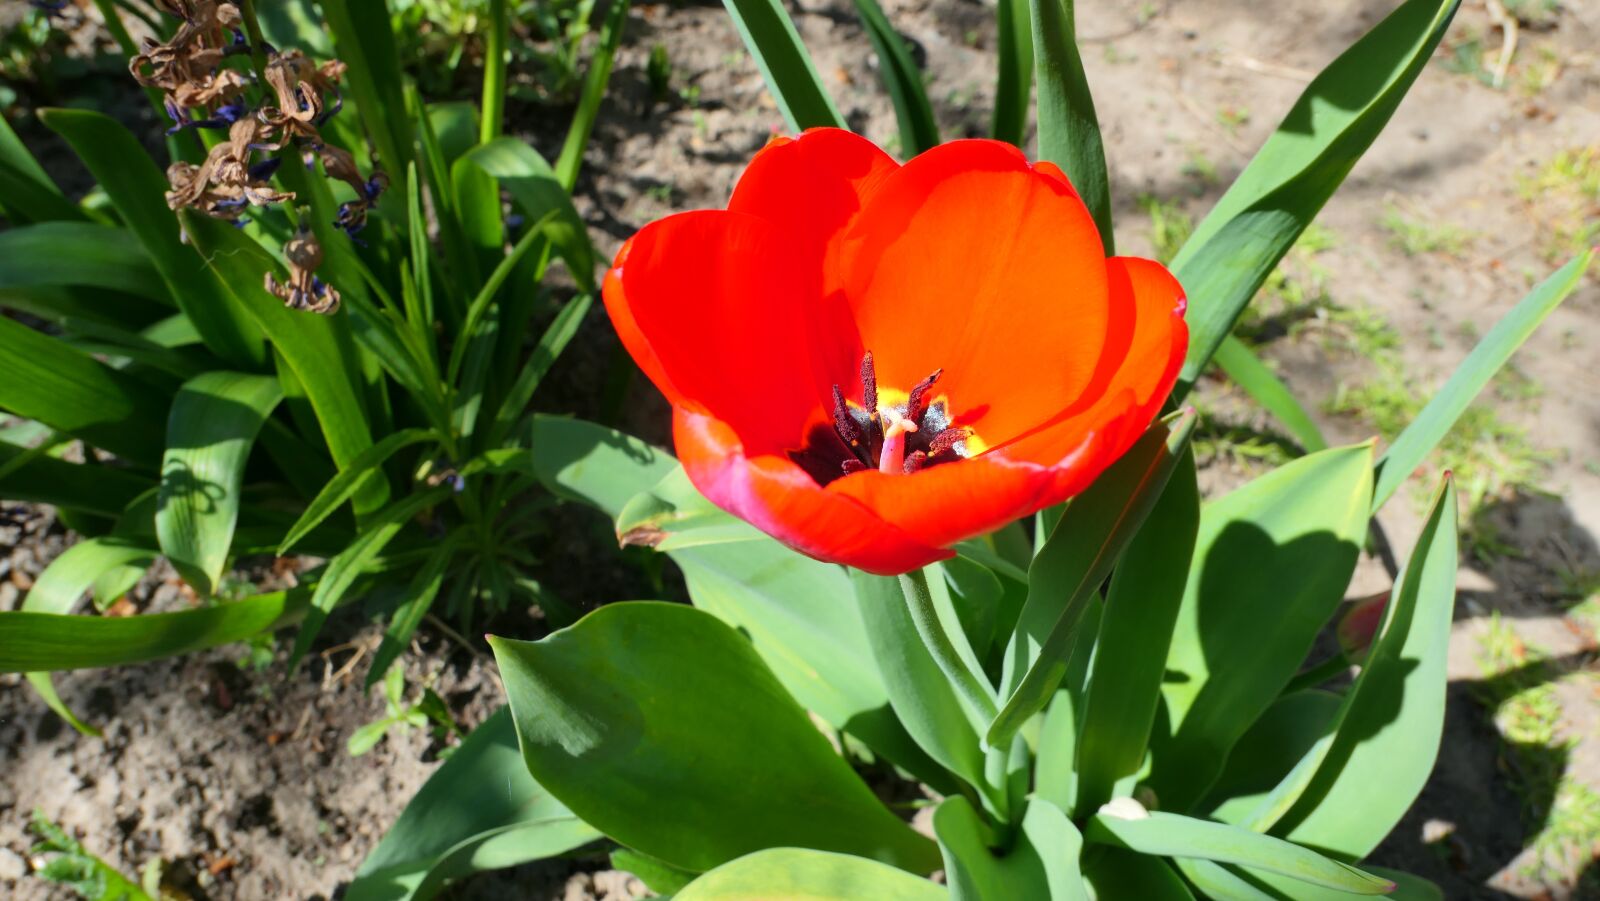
[
  {"x": 62, "y": 859},
  {"x": 1414, "y": 237},
  {"x": 429, "y": 709},
  {"x": 1170, "y": 226},
  {"x": 1565, "y": 195}
]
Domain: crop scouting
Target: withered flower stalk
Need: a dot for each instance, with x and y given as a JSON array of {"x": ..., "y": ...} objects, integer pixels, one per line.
[{"x": 303, "y": 290}]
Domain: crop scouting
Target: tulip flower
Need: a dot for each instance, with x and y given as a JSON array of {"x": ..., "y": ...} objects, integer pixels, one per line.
[
  {"x": 1359, "y": 626},
  {"x": 871, "y": 362}
]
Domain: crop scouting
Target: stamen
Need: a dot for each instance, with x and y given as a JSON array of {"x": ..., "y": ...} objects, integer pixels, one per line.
[
  {"x": 892, "y": 460},
  {"x": 917, "y": 404},
  {"x": 845, "y": 424},
  {"x": 915, "y": 460},
  {"x": 853, "y": 465},
  {"x": 947, "y": 440},
  {"x": 869, "y": 384}
]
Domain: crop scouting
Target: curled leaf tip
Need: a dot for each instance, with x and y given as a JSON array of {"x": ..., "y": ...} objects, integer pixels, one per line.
[{"x": 641, "y": 536}]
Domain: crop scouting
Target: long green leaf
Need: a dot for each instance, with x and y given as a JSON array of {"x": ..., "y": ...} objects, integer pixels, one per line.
[
  {"x": 1117, "y": 873},
  {"x": 918, "y": 130},
  {"x": 798, "y": 873},
  {"x": 26, "y": 193},
  {"x": 1135, "y": 629},
  {"x": 555, "y": 339},
  {"x": 86, "y": 487},
  {"x": 1336, "y": 119},
  {"x": 340, "y": 488},
  {"x": 1171, "y": 835},
  {"x": 1042, "y": 864},
  {"x": 1290, "y": 729},
  {"x": 48, "y": 381},
  {"x": 537, "y": 190},
  {"x": 78, "y": 254},
  {"x": 482, "y": 793},
  {"x": 594, "y": 91},
  {"x": 1419, "y": 438},
  {"x": 211, "y": 429},
  {"x": 706, "y": 758},
  {"x": 1271, "y": 562},
  {"x": 1069, "y": 131},
  {"x": 771, "y": 38},
  {"x": 414, "y": 603},
  {"x": 1069, "y": 568},
  {"x": 1014, "y": 81},
  {"x": 364, "y": 40},
  {"x": 1250, "y": 373},
  {"x": 137, "y": 188}
]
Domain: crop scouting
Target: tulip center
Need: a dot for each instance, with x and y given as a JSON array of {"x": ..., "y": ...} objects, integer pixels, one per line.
[{"x": 890, "y": 431}]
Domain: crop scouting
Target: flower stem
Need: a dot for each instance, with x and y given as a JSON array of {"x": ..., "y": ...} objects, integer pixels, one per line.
[
  {"x": 919, "y": 603},
  {"x": 252, "y": 32}
]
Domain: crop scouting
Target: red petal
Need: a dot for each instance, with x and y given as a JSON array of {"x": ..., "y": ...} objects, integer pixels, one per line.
[
  {"x": 968, "y": 259},
  {"x": 777, "y": 497},
  {"x": 712, "y": 305}
]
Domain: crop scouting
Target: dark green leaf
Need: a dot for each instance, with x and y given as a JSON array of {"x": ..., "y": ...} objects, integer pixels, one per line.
[
  {"x": 537, "y": 190},
  {"x": 1014, "y": 84},
  {"x": 343, "y": 485},
  {"x": 594, "y": 91},
  {"x": 555, "y": 339},
  {"x": 414, "y": 603},
  {"x": 78, "y": 254},
  {"x": 771, "y": 38},
  {"x": 1285, "y": 733},
  {"x": 364, "y": 40},
  {"x": 918, "y": 130},
  {"x": 26, "y": 193},
  {"x": 1117, "y": 873},
  {"x": 88, "y": 487},
  {"x": 1042, "y": 864},
  {"x": 1069, "y": 131}
]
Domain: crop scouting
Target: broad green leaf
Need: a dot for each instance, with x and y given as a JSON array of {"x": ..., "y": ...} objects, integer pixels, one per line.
[
  {"x": 1261, "y": 383},
  {"x": 601, "y": 60},
  {"x": 705, "y": 757},
  {"x": 137, "y": 190},
  {"x": 1407, "y": 887},
  {"x": 1271, "y": 562},
  {"x": 344, "y": 484},
  {"x": 1055, "y": 769},
  {"x": 1069, "y": 131},
  {"x": 481, "y": 796},
  {"x": 48, "y": 381},
  {"x": 674, "y": 515},
  {"x": 1070, "y": 566},
  {"x": 1388, "y": 732},
  {"x": 364, "y": 39},
  {"x": 210, "y": 431},
  {"x": 88, "y": 487},
  {"x": 537, "y": 190},
  {"x": 1014, "y": 82},
  {"x": 555, "y": 339},
  {"x": 1171, "y": 835},
  {"x": 26, "y": 193},
  {"x": 601, "y": 467},
  {"x": 78, "y": 254},
  {"x": 1117, "y": 873},
  {"x": 1406, "y": 454},
  {"x": 348, "y": 565},
  {"x": 918, "y": 130},
  {"x": 799, "y": 874},
  {"x": 1043, "y": 863},
  {"x": 658, "y": 876},
  {"x": 1135, "y": 629},
  {"x": 1336, "y": 119},
  {"x": 1285, "y": 733},
  {"x": 31, "y": 642},
  {"x": 770, "y": 36}
]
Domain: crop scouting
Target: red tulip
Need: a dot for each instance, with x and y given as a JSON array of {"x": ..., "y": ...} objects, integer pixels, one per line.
[
  {"x": 871, "y": 362},
  {"x": 1359, "y": 626}
]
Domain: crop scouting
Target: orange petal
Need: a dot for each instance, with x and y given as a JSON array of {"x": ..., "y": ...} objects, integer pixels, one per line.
[
  {"x": 970, "y": 260},
  {"x": 777, "y": 497},
  {"x": 712, "y": 306}
]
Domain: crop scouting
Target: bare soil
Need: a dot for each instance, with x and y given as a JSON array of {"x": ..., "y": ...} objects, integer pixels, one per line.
[{"x": 241, "y": 777}]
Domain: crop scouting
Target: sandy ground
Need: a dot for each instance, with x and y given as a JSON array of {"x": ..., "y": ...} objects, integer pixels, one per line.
[{"x": 1443, "y": 225}]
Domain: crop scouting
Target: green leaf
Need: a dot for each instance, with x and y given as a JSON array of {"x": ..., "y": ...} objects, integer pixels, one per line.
[
  {"x": 1135, "y": 630},
  {"x": 414, "y": 603},
  {"x": 1014, "y": 81},
  {"x": 1336, "y": 119},
  {"x": 658, "y": 876},
  {"x": 1116, "y": 873},
  {"x": 798, "y": 874},
  {"x": 32, "y": 642},
  {"x": 601, "y": 467},
  {"x": 367, "y": 736},
  {"x": 1042, "y": 864},
  {"x": 674, "y": 515},
  {"x": 1171, "y": 835},
  {"x": 137, "y": 190},
  {"x": 495, "y": 52},
  {"x": 537, "y": 190},
  {"x": 1261, "y": 383},
  {"x": 87, "y": 487},
  {"x": 1406, "y": 454},
  {"x": 1284, "y": 734},
  {"x": 349, "y": 564},
  {"x": 918, "y": 130},
  {"x": 1055, "y": 769},
  {"x": 785, "y": 65},
  {"x": 27, "y": 194},
  {"x": 70, "y": 391},
  {"x": 364, "y": 40},
  {"x": 1271, "y": 562},
  {"x": 1070, "y": 566},
  {"x": 594, "y": 91},
  {"x": 1388, "y": 732},
  {"x": 695, "y": 759},
  {"x": 1069, "y": 131},
  {"x": 344, "y": 483},
  {"x": 212, "y": 426},
  {"x": 78, "y": 254},
  {"x": 555, "y": 339}
]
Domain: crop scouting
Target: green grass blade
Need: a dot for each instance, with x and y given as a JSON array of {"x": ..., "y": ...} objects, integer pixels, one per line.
[
  {"x": 495, "y": 52},
  {"x": 594, "y": 91},
  {"x": 1014, "y": 80},
  {"x": 771, "y": 38},
  {"x": 48, "y": 381},
  {"x": 340, "y": 488},
  {"x": 352, "y": 561},
  {"x": 1434, "y": 422},
  {"x": 1069, "y": 131},
  {"x": 211, "y": 429},
  {"x": 1261, "y": 383},
  {"x": 364, "y": 40},
  {"x": 918, "y": 130},
  {"x": 137, "y": 190},
  {"x": 554, "y": 340},
  {"x": 1295, "y": 172},
  {"x": 537, "y": 190},
  {"x": 470, "y": 326},
  {"x": 414, "y": 604}
]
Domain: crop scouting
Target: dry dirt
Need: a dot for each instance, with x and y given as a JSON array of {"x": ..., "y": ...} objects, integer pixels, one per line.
[{"x": 244, "y": 773}]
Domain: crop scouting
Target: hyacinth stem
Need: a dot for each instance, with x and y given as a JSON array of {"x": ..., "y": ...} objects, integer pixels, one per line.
[
  {"x": 919, "y": 602},
  {"x": 252, "y": 32}
]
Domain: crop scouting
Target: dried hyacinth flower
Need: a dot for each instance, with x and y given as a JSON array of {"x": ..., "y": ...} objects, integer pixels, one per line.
[
  {"x": 186, "y": 68},
  {"x": 339, "y": 164},
  {"x": 304, "y": 291},
  {"x": 229, "y": 179},
  {"x": 302, "y": 89}
]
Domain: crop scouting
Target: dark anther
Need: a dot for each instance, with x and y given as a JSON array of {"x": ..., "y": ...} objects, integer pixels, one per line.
[
  {"x": 917, "y": 403},
  {"x": 914, "y": 461},
  {"x": 945, "y": 442},
  {"x": 869, "y": 385},
  {"x": 851, "y": 464},
  {"x": 845, "y": 424}
]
